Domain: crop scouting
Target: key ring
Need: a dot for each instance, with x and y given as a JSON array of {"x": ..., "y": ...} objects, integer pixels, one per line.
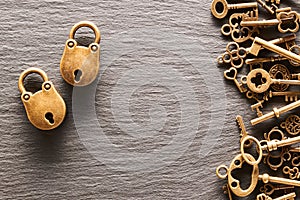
[
  {"x": 218, "y": 171},
  {"x": 259, "y": 150}
]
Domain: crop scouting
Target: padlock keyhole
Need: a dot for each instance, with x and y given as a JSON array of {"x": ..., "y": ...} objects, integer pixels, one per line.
[
  {"x": 49, "y": 117},
  {"x": 77, "y": 75}
]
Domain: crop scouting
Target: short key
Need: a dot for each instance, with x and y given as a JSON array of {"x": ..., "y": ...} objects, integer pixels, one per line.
[
  {"x": 290, "y": 196},
  {"x": 226, "y": 7},
  {"x": 269, "y": 189},
  {"x": 231, "y": 74}
]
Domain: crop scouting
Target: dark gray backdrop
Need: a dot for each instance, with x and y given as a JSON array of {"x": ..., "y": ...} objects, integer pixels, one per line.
[{"x": 161, "y": 103}]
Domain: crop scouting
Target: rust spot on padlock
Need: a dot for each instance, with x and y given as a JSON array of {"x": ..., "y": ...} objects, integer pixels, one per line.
[
  {"x": 45, "y": 109},
  {"x": 79, "y": 65}
]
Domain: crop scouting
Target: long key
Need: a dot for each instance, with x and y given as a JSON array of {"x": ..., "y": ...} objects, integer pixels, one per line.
[
  {"x": 272, "y": 145},
  {"x": 231, "y": 74},
  {"x": 235, "y": 184},
  {"x": 282, "y": 18},
  {"x": 226, "y": 7},
  {"x": 244, "y": 132},
  {"x": 276, "y": 41},
  {"x": 254, "y": 61},
  {"x": 234, "y": 48},
  {"x": 258, "y": 43},
  {"x": 276, "y": 112},
  {"x": 259, "y": 81}
]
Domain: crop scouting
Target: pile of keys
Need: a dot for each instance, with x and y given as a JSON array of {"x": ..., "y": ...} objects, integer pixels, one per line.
[{"x": 269, "y": 70}]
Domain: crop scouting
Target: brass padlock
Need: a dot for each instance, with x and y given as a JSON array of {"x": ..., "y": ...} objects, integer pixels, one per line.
[
  {"x": 45, "y": 109},
  {"x": 79, "y": 65}
]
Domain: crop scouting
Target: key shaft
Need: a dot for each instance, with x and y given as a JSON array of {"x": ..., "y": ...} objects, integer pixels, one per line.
[
  {"x": 276, "y": 113},
  {"x": 275, "y": 144},
  {"x": 266, "y": 178}
]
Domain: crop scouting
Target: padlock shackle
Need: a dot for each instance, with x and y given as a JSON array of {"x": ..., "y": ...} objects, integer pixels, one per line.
[
  {"x": 28, "y": 71},
  {"x": 88, "y": 24}
]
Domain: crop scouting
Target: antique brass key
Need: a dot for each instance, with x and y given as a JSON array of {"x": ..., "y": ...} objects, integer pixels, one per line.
[
  {"x": 259, "y": 81},
  {"x": 290, "y": 196},
  {"x": 269, "y": 146},
  {"x": 282, "y": 19},
  {"x": 276, "y": 112},
  {"x": 45, "y": 109},
  {"x": 234, "y": 184},
  {"x": 258, "y": 43},
  {"x": 226, "y": 7}
]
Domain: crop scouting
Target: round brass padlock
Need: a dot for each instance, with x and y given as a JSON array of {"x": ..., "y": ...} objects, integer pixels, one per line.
[
  {"x": 79, "y": 65},
  {"x": 45, "y": 109}
]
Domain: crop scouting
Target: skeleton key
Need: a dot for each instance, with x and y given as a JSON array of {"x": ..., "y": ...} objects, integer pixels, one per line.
[
  {"x": 269, "y": 189},
  {"x": 276, "y": 112},
  {"x": 258, "y": 43},
  {"x": 276, "y": 41},
  {"x": 236, "y": 53},
  {"x": 234, "y": 183},
  {"x": 272, "y": 145},
  {"x": 266, "y": 178},
  {"x": 226, "y": 7},
  {"x": 244, "y": 132},
  {"x": 259, "y": 81},
  {"x": 290, "y": 196},
  {"x": 264, "y": 60},
  {"x": 282, "y": 18},
  {"x": 231, "y": 74}
]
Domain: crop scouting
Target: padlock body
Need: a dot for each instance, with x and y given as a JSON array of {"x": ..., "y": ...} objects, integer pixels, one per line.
[
  {"x": 45, "y": 109},
  {"x": 80, "y": 61}
]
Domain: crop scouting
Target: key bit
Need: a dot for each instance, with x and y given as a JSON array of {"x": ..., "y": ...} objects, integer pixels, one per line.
[{"x": 244, "y": 132}]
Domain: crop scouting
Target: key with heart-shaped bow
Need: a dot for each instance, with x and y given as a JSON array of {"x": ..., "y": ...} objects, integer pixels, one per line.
[{"x": 231, "y": 74}]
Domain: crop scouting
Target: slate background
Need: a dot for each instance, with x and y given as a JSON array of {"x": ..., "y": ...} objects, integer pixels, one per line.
[{"x": 159, "y": 82}]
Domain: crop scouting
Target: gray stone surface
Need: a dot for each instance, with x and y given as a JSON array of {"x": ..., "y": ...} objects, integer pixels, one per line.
[{"x": 155, "y": 125}]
